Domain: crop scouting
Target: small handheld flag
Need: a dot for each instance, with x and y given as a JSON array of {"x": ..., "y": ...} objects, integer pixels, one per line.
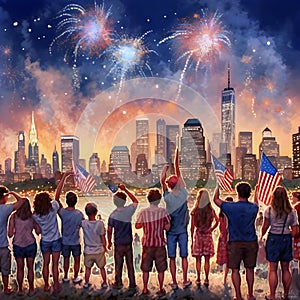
[
  {"x": 223, "y": 176},
  {"x": 113, "y": 188},
  {"x": 268, "y": 180},
  {"x": 83, "y": 180}
]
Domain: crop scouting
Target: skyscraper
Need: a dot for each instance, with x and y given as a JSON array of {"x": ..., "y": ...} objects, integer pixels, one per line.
[
  {"x": 94, "y": 165},
  {"x": 245, "y": 140},
  {"x": 193, "y": 154},
  {"x": 268, "y": 145},
  {"x": 69, "y": 152},
  {"x": 119, "y": 167},
  {"x": 7, "y": 165},
  {"x": 20, "y": 157},
  {"x": 172, "y": 132},
  {"x": 142, "y": 137},
  {"x": 296, "y": 154},
  {"x": 33, "y": 147},
  {"x": 55, "y": 161},
  {"x": 161, "y": 140},
  {"x": 228, "y": 118}
]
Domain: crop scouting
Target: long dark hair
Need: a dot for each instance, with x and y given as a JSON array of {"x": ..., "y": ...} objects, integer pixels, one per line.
[
  {"x": 24, "y": 212},
  {"x": 42, "y": 203},
  {"x": 280, "y": 202}
]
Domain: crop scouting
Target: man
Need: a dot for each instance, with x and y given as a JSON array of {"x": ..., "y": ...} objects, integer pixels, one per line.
[
  {"x": 71, "y": 221},
  {"x": 175, "y": 196},
  {"x": 119, "y": 222},
  {"x": 5, "y": 211},
  {"x": 154, "y": 220},
  {"x": 242, "y": 242}
]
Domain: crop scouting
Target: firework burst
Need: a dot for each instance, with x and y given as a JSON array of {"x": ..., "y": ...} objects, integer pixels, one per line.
[
  {"x": 84, "y": 32},
  {"x": 129, "y": 56},
  {"x": 199, "y": 43}
]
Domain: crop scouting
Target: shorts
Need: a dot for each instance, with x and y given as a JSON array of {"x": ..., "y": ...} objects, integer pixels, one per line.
[
  {"x": 54, "y": 246},
  {"x": 279, "y": 247},
  {"x": 99, "y": 259},
  {"x": 5, "y": 261},
  {"x": 242, "y": 251},
  {"x": 182, "y": 240},
  {"x": 156, "y": 254},
  {"x": 67, "y": 249},
  {"x": 25, "y": 252}
]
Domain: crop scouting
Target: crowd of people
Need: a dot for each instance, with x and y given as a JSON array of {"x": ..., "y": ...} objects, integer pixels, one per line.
[{"x": 165, "y": 235}]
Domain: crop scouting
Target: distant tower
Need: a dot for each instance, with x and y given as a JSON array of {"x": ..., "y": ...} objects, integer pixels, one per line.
[
  {"x": 228, "y": 117},
  {"x": 172, "y": 132},
  {"x": 296, "y": 154},
  {"x": 193, "y": 154},
  {"x": 69, "y": 152},
  {"x": 161, "y": 141},
  {"x": 268, "y": 144},
  {"x": 142, "y": 137},
  {"x": 119, "y": 164},
  {"x": 94, "y": 165},
  {"x": 55, "y": 161},
  {"x": 33, "y": 147},
  {"x": 20, "y": 157}
]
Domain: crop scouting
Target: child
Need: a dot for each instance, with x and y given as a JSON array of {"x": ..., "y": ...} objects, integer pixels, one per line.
[
  {"x": 45, "y": 214},
  {"x": 203, "y": 217},
  {"x": 155, "y": 221},
  {"x": 21, "y": 225},
  {"x": 94, "y": 244},
  {"x": 71, "y": 221},
  {"x": 222, "y": 256},
  {"x": 119, "y": 222}
]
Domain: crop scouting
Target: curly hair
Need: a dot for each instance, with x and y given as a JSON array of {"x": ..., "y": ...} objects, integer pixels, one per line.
[
  {"x": 280, "y": 202},
  {"x": 203, "y": 215},
  {"x": 154, "y": 196},
  {"x": 42, "y": 203},
  {"x": 24, "y": 212}
]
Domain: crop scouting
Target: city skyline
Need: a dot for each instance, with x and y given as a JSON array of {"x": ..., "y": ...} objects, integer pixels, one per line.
[{"x": 263, "y": 58}]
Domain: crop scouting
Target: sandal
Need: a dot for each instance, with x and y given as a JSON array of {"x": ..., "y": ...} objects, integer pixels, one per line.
[
  {"x": 206, "y": 283},
  {"x": 174, "y": 286},
  {"x": 187, "y": 284},
  {"x": 161, "y": 293}
]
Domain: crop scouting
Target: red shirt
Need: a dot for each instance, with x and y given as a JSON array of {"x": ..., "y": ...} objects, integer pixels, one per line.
[{"x": 153, "y": 220}]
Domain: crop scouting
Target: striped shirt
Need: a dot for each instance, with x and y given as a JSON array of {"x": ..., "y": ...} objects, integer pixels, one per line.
[{"x": 153, "y": 220}]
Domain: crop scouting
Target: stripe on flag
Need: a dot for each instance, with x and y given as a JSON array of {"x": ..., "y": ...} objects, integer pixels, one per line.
[
  {"x": 223, "y": 176},
  {"x": 83, "y": 180},
  {"x": 268, "y": 180}
]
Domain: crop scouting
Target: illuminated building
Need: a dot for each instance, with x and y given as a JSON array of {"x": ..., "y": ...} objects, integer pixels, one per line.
[
  {"x": 94, "y": 165},
  {"x": 228, "y": 118},
  {"x": 193, "y": 154},
  {"x": 172, "y": 133},
  {"x": 142, "y": 137},
  {"x": 69, "y": 152},
  {"x": 55, "y": 161},
  {"x": 161, "y": 140},
  {"x": 20, "y": 157},
  {"x": 269, "y": 145},
  {"x": 33, "y": 147},
  {"x": 119, "y": 167},
  {"x": 296, "y": 154},
  {"x": 249, "y": 167}
]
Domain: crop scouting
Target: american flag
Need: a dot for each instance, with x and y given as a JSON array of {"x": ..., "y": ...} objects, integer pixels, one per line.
[
  {"x": 224, "y": 176},
  {"x": 268, "y": 180},
  {"x": 83, "y": 180}
]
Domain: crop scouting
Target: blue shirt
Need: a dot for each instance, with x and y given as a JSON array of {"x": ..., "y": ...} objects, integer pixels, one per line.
[
  {"x": 5, "y": 211},
  {"x": 241, "y": 217},
  {"x": 71, "y": 222},
  {"x": 176, "y": 206},
  {"x": 120, "y": 221}
]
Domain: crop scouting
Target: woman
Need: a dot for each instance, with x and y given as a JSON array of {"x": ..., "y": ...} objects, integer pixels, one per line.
[
  {"x": 21, "y": 225},
  {"x": 282, "y": 220},
  {"x": 45, "y": 214},
  {"x": 204, "y": 220}
]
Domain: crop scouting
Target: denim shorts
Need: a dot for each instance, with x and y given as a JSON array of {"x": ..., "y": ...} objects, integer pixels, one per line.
[
  {"x": 182, "y": 240},
  {"x": 25, "y": 252},
  {"x": 279, "y": 247},
  {"x": 67, "y": 249},
  {"x": 54, "y": 246}
]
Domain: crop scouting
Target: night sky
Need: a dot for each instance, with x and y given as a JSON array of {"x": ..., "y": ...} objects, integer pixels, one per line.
[{"x": 264, "y": 54}]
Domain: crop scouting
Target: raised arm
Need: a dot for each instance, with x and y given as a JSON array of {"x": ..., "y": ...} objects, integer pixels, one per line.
[
  {"x": 216, "y": 198},
  {"x": 163, "y": 177},
  {"x": 61, "y": 185},
  {"x": 130, "y": 195},
  {"x": 19, "y": 202},
  {"x": 177, "y": 169}
]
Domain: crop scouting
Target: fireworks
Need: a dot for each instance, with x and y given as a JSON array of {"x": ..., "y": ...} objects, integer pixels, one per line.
[
  {"x": 129, "y": 56},
  {"x": 199, "y": 42},
  {"x": 87, "y": 32}
]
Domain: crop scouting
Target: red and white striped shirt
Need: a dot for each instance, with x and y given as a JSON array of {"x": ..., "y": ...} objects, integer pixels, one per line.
[{"x": 153, "y": 221}]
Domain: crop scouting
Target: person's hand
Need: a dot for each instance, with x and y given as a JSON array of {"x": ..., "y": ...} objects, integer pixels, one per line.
[{"x": 122, "y": 187}]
